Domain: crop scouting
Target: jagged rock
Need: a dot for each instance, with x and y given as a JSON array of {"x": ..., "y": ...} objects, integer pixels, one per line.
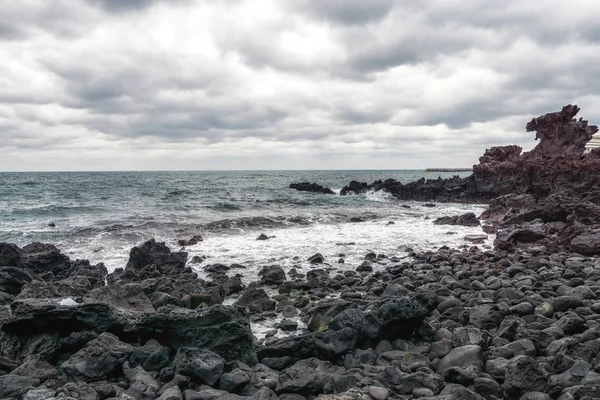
[
  {"x": 560, "y": 134},
  {"x": 77, "y": 391},
  {"x": 524, "y": 374},
  {"x": 313, "y": 377},
  {"x": 12, "y": 386},
  {"x": 211, "y": 296},
  {"x": 98, "y": 359},
  {"x": 42, "y": 258},
  {"x": 13, "y": 279},
  {"x": 272, "y": 275},
  {"x": 201, "y": 364},
  {"x": 191, "y": 242},
  {"x": 128, "y": 296},
  {"x": 316, "y": 259},
  {"x": 157, "y": 254},
  {"x": 311, "y": 187},
  {"x": 468, "y": 219},
  {"x": 465, "y": 356},
  {"x": 152, "y": 356},
  {"x": 10, "y": 254},
  {"x": 354, "y": 187}
]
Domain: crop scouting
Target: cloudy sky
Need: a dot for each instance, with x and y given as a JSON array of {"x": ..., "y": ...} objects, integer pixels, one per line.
[{"x": 295, "y": 84}]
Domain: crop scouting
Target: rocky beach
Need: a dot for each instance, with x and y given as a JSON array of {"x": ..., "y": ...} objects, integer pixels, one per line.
[{"x": 516, "y": 320}]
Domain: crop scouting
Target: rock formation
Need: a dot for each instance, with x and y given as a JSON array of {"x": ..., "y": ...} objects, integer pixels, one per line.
[{"x": 560, "y": 134}]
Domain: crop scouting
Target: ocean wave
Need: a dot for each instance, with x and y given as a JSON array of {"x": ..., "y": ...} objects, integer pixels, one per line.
[
  {"x": 379, "y": 196},
  {"x": 54, "y": 210},
  {"x": 224, "y": 207}
]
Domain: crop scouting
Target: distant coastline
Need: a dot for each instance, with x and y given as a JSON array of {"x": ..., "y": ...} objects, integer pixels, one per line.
[{"x": 448, "y": 169}]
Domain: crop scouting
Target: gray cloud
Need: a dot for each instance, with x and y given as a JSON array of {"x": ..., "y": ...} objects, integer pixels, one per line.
[
  {"x": 346, "y": 12},
  {"x": 234, "y": 82}
]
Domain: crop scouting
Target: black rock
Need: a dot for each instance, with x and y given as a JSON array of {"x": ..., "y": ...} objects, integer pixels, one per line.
[
  {"x": 10, "y": 254},
  {"x": 200, "y": 364},
  {"x": 316, "y": 259},
  {"x": 311, "y": 187},
  {"x": 313, "y": 377},
  {"x": 272, "y": 275},
  {"x": 468, "y": 219},
  {"x": 158, "y": 254},
  {"x": 524, "y": 374},
  {"x": 152, "y": 356},
  {"x": 98, "y": 360},
  {"x": 13, "y": 279}
]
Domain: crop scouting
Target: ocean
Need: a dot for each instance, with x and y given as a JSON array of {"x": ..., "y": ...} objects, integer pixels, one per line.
[{"x": 100, "y": 215}]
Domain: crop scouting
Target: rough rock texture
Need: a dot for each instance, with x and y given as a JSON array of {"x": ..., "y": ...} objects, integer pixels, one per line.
[
  {"x": 560, "y": 134},
  {"x": 311, "y": 187}
]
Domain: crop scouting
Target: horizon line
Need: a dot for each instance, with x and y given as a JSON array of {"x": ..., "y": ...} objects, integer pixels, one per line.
[{"x": 230, "y": 170}]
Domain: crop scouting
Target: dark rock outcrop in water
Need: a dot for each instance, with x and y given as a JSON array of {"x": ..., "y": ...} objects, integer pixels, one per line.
[
  {"x": 311, "y": 187},
  {"x": 468, "y": 219}
]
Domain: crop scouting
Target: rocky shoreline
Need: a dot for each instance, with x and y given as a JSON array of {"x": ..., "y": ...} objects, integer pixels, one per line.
[{"x": 520, "y": 321}]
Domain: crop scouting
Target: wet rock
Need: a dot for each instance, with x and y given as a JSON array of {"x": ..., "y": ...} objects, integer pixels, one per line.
[
  {"x": 194, "y": 240},
  {"x": 316, "y": 259},
  {"x": 365, "y": 266},
  {"x": 287, "y": 325},
  {"x": 272, "y": 275},
  {"x": 311, "y": 187},
  {"x": 157, "y": 254},
  {"x": 468, "y": 219}
]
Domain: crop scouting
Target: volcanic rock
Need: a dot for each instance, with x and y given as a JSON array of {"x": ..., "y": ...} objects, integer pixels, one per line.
[{"x": 311, "y": 187}]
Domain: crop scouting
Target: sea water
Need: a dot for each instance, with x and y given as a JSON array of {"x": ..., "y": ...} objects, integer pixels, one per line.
[{"x": 100, "y": 215}]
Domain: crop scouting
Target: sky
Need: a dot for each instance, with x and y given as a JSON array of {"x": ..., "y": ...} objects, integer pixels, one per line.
[{"x": 295, "y": 84}]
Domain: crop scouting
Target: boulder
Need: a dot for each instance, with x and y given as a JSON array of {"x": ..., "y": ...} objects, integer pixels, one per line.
[
  {"x": 98, "y": 360},
  {"x": 10, "y": 254},
  {"x": 13, "y": 279},
  {"x": 313, "y": 377},
  {"x": 525, "y": 374},
  {"x": 200, "y": 364},
  {"x": 41, "y": 258},
  {"x": 471, "y": 355},
  {"x": 158, "y": 254},
  {"x": 272, "y": 275}
]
